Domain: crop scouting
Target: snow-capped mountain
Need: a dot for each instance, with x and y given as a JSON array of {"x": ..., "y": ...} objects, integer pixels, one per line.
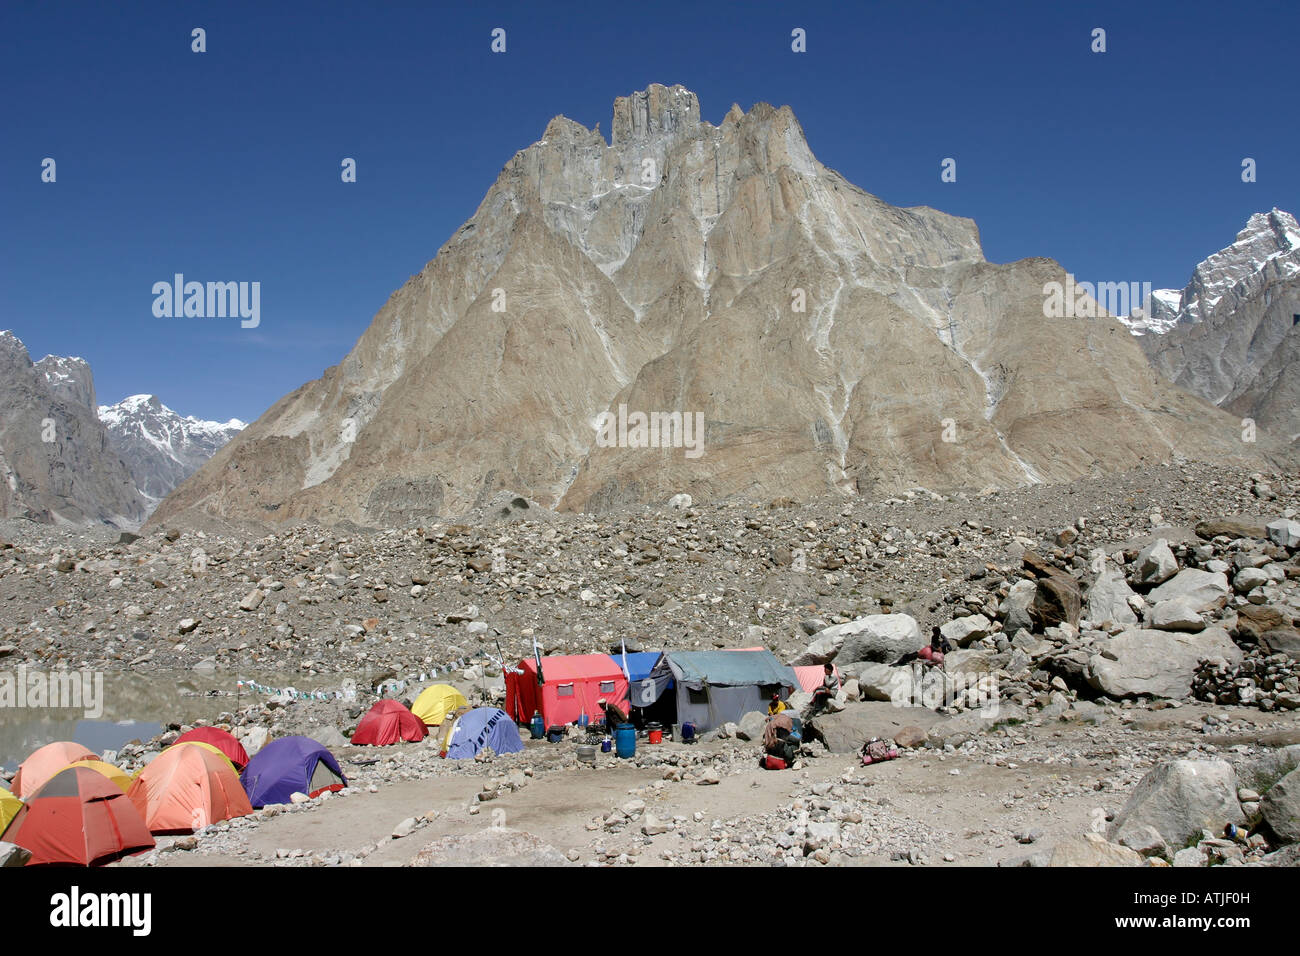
[
  {"x": 160, "y": 447},
  {"x": 1232, "y": 335}
]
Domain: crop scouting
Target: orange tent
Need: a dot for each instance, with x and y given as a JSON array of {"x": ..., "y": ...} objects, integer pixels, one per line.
[
  {"x": 45, "y": 763},
  {"x": 187, "y": 788},
  {"x": 78, "y": 818}
]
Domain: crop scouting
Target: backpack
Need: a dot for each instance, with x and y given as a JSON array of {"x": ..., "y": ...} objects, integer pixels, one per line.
[{"x": 875, "y": 750}]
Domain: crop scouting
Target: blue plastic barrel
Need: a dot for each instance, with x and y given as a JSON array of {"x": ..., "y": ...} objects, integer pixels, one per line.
[
  {"x": 625, "y": 740},
  {"x": 537, "y": 727},
  {"x": 688, "y": 732}
]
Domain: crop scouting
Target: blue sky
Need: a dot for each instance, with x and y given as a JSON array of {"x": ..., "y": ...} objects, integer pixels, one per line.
[{"x": 1123, "y": 166}]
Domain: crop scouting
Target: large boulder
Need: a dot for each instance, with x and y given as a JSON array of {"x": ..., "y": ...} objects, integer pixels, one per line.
[
  {"x": 1015, "y": 608},
  {"x": 882, "y": 638},
  {"x": 1057, "y": 600},
  {"x": 1108, "y": 600},
  {"x": 846, "y": 731},
  {"x": 1142, "y": 662},
  {"x": 1179, "y": 798},
  {"x": 966, "y": 630},
  {"x": 1281, "y": 807},
  {"x": 751, "y": 726},
  {"x": 1205, "y": 590},
  {"x": 1282, "y": 640},
  {"x": 1180, "y": 614},
  {"x": 1155, "y": 564},
  {"x": 1231, "y": 528},
  {"x": 1261, "y": 772},
  {"x": 875, "y": 681},
  {"x": 1091, "y": 849},
  {"x": 1285, "y": 532}
]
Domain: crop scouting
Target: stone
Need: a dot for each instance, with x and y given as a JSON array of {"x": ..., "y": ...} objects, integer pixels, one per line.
[
  {"x": 1205, "y": 590},
  {"x": 1108, "y": 600},
  {"x": 1248, "y": 579},
  {"x": 328, "y": 737},
  {"x": 1154, "y": 565},
  {"x": 651, "y": 825},
  {"x": 876, "y": 681},
  {"x": 1178, "y": 799},
  {"x": 1282, "y": 640},
  {"x": 1057, "y": 600},
  {"x": 11, "y": 854},
  {"x": 1231, "y": 528},
  {"x": 1143, "y": 662},
  {"x": 1281, "y": 807},
  {"x": 490, "y": 846},
  {"x": 1178, "y": 614},
  {"x": 751, "y": 726},
  {"x": 1285, "y": 533},
  {"x": 252, "y": 600},
  {"x": 1191, "y": 856},
  {"x": 1091, "y": 849},
  {"x": 254, "y": 739},
  {"x": 1015, "y": 608},
  {"x": 1145, "y": 839},
  {"x": 186, "y": 626},
  {"x": 962, "y": 631},
  {"x": 680, "y": 501},
  {"x": 882, "y": 638},
  {"x": 911, "y": 736},
  {"x": 404, "y": 829}
]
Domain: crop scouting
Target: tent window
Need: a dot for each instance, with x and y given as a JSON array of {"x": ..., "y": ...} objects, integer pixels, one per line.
[
  {"x": 607, "y": 687},
  {"x": 564, "y": 690},
  {"x": 700, "y": 696}
]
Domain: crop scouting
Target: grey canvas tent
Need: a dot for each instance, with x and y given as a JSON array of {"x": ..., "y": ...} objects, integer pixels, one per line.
[{"x": 713, "y": 687}]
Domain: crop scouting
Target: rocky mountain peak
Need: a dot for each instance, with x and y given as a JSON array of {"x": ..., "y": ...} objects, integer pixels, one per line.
[
  {"x": 656, "y": 112},
  {"x": 69, "y": 377}
]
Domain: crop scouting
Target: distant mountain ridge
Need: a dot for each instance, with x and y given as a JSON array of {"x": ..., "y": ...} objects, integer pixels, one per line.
[
  {"x": 65, "y": 460},
  {"x": 159, "y": 446},
  {"x": 1232, "y": 335}
]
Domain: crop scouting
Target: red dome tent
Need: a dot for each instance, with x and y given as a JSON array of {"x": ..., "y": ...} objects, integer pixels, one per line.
[
  {"x": 79, "y": 818},
  {"x": 218, "y": 738},
  {"x": 388, "y": 722}
]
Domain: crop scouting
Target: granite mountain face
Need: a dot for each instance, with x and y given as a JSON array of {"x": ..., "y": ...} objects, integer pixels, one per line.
[
  {"x": 1232, "y": 335},
  {"x": 831, "y": 341},
  {"x": 56, "y": 463}
]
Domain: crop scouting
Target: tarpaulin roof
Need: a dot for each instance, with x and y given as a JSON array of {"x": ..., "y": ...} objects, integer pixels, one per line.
[
  {"x": 639, "y": 664},
  {"x": 728, "y": 668}
]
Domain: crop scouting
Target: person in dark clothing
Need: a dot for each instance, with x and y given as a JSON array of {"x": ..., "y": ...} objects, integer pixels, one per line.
[{"x": 829, "y": 686}]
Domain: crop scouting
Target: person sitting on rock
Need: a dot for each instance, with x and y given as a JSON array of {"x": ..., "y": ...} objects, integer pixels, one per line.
[
  {"x": 939, "y": 646},
  {"x": 828, "y": 688}
]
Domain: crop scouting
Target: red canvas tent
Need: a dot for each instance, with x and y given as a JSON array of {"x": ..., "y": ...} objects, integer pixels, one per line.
[
  {"x": 79, "y": 818},
  {"x": 220, "y": 739},
  {"x": 573, "y": 686},
  {"x": 388, "y": 722}
]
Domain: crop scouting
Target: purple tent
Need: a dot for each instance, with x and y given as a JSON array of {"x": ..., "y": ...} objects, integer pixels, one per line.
[
  {"x": 290, "y": 765},
  {"x": 483, "y": 727}
]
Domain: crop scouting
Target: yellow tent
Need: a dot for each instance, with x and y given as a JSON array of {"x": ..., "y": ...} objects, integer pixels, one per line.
[
  {"x": 9, "y": 806},
  {"x": 116, "y": 774},
  {"x": 436, "y": 702}
]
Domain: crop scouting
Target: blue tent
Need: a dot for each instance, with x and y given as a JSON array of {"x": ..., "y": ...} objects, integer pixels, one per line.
[
  {"x": 483, "y": 727},
  {"x": 714, "y": 687},
  {"x": 290, "y": 765},
  {"x": 644, "y": 685}
]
